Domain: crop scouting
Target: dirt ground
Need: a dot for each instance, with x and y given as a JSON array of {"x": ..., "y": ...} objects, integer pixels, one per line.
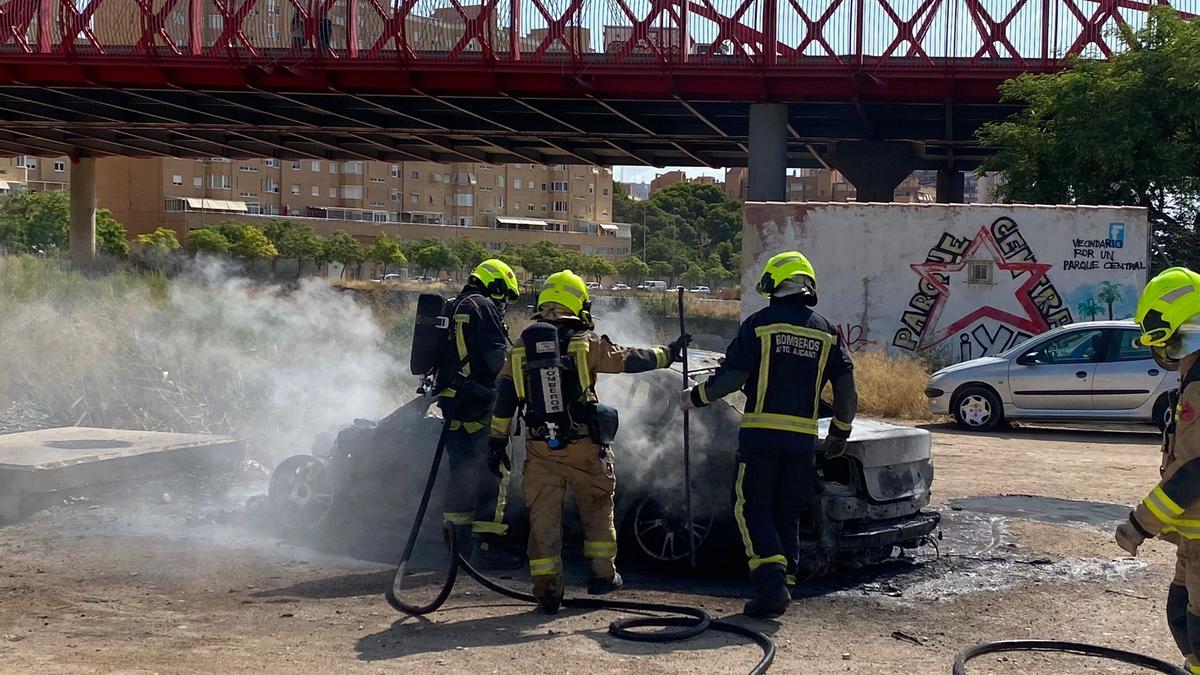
[{"x": 141, "y": 584}]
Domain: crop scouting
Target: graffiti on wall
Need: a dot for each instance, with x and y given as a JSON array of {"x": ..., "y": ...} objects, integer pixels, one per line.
[
  {"x": 1006, "y": 295},
  {"x": 854, "y": 336}
]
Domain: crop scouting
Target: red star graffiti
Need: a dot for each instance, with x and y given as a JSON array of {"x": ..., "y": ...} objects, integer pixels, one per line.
[{"x": 1032, "y": 322}]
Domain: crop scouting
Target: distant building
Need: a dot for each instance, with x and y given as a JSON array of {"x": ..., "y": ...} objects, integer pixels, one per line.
[
  {"x": 637, "y": 191},
  {"x": 736, "y": 182},
  {"x": 665, "y": 180}
]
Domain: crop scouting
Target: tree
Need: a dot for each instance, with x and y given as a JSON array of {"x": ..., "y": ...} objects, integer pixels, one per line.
[
  {"x": 631, "y": 268},
  {"x": 386, "y": 251},
  {"x": 1089, "y": 308},
  {"x": 298, "y": 243},
  {"x": 161, "y": 239},
  {"x": 1117, "y": 131},
  {"x": 660, "y": 269},
  {"x": 695, "y": 274},
  {"x": 207, "y": 240},
  {"x": 469, "y": 253},
  {"x": 1109, "y": 294},
  {"x": 597, "y": 267},
  {"x": 38, "y": 222},
  {"x": 431, "y": 255},
  {"x": 543, "y": 258},
  {"x": 345, "y": 249},
  {"x": 253, "y": 245}
]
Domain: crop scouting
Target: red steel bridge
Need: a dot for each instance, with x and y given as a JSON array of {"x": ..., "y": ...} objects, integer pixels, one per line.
[{"x": 653, "y": 82}]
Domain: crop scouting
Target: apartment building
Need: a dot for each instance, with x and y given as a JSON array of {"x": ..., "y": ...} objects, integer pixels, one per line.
[
  {"x": 495, "y": 204},
  {"x": 33, "y": 173}
]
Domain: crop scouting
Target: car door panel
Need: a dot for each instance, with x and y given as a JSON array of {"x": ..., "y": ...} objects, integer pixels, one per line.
[
  {"x": 1128, "y": 376},
  {"x": 1058, "y": 373}
]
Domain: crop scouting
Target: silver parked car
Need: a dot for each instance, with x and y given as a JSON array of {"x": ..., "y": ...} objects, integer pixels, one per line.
[{"x": 1090, "y": 371}]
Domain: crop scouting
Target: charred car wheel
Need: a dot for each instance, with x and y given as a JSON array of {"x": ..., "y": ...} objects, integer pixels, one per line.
[
  {"x": 658, "y": 535},
  {"x": 301, "y": 493}
]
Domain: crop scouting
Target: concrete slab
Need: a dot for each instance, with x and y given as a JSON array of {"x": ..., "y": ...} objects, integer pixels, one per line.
[{"x": 36, "y": 465}]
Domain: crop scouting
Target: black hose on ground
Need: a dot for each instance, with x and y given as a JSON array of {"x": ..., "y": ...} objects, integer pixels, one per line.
[
  {"x": 692, "y": 620},
  {"x": 1078, "y": 648}
]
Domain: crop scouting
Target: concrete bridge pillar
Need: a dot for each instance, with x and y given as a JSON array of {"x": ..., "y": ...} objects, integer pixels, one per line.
[
  {"x": 82, "y": 237},
  {"x": 768, "y": 152},
  {"x": 951, "y": 186},
  {"x": 875, "y": 168}
]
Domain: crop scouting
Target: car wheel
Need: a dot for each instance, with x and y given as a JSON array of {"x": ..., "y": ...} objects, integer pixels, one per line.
[
  {"x": 978, "y": 409},
  {"x": 657, "y": 535},
  {"x": 1162, "y": 412}
]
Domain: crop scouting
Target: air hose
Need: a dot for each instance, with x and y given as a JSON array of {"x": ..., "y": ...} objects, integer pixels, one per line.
[
  {"x": 1059, "y": 646},
  {"x": 692, "y": 621}
]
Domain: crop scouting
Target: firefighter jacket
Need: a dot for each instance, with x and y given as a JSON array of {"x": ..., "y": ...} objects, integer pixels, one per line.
[
  {"x": 1172, "y": 509},
  {"x": 591, "y": 353},
  {"x": 781, "y": 358},
  {"x": 479, "y": 341}
]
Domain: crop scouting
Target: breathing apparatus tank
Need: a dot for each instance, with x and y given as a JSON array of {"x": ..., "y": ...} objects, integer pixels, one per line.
[
  {"x": 431, "y": 335},
  {"x": 552, "y": 388}
]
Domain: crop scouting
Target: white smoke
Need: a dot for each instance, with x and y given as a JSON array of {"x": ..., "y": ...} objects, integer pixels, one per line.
[{"x": 206, "y": 352}]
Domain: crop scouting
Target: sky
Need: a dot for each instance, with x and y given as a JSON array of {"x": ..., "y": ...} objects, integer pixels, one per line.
[{"x": 645, "y": 174}]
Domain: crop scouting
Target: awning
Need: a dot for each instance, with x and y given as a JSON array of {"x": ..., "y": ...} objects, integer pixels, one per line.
[
  {"x": 215, "y": 205},
  {"x": 527, "y": 222},
  {"x": 608, "y": 227}
]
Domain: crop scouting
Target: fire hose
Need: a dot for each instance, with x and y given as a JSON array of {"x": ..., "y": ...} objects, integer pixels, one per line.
[
  {"x": 1059, "y": 646},
  {"x": 690, "y": 622}
]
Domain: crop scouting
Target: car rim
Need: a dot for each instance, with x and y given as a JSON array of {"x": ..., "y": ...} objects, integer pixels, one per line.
[
  {"x": 662, "y": 534},
  {"x": 975, "y": 410},
  {"x": 301, "y": 492}
]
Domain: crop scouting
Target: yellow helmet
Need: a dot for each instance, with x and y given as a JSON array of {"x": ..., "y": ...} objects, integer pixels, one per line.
[
  {"x": 567, "y": 289},
  {"x": 1169, "y": 301},
  {"x": 497, "y": 278},
  {"x": 783, "y": 266}
]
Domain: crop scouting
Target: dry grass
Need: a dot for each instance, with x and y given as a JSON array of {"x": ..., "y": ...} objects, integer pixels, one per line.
[{"x": 891, "y": 386}]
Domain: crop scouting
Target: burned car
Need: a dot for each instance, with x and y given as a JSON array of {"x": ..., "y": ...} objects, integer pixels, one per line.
[{"x": 357, "y": 491}]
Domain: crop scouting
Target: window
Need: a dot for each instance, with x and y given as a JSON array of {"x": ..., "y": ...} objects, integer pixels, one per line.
[
  {"x": 979, "y": 272},
  {"x": 29, "y": 162},
  {"x": 543, "y": 187},
  {"x": 499, "y": 181},
  {"x": 378, "y": 179},
  {"x": 218, "y": 181},
  {"x": 604, "y": 192},
  {"x": 465, "y": 221},
  {"x": 415, "y": 198},
  {"x": 295, "y": 165},
  {"x": 271, "y": 185},
  {"x": 377, "y": 214},
  {"x": 543, "y": 208},
  {"x": 531, "y": 208},
  {"x": 198, "y": 182},
  {"x": 316, "y": 166},
  {"x": 60, "y": 167},
  {"x": 604, "y": 212},
  {"x": 396, "y": 194},
  {"x": 464, "y": 199},
  {"x": 529, "y": 184},
  {"x": 517, "y": 184},
  {"x": 352, "y": 192},
  {"x": 395, "y": 171},
  {"x": 179, "y": 18},
  {"x": 353, "y": 168},
  {"x": 1125, "y": 347},
  {"x": 295, "y": 188},
  {"x": 332, "y": 192},
  {"x": 246, "y": 168},
  {"x": 176, "y": 180},
  {"x": 253, "y": 207},
  {"x": 517, "y": 206},
  {"x": 272, "y": 31},
  {"x": 1077, "y": 346},
  {"x": 414, "y": 174},
  {"x": 216, "y": 21},
  {"x": 272, "y": 6},
  {"x": 272, "y": 163},
  {"x": 591, "y": 188},
  {"x": 500, "y": 201},
  {"x": 485, "y": 167},
  {"x": 247, "y": 194},
  {"x": 558, "y": 186},
  {"x": 316, "y": 191},
  {"x": 560, "y": 207},
  {"x": 560, "y": 167},
  {"x": 333, "y": 167}
]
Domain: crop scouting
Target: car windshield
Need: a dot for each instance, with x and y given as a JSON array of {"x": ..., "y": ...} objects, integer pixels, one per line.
[{"x": 1021, "y": 347}]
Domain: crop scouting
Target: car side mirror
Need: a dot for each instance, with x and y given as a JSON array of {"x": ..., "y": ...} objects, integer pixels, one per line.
[{"x": 1029, "y": 359}]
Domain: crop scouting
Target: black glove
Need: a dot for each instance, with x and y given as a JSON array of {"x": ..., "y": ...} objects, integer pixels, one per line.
[
  {"x": 498, "y": 455},
  {"x": 834, "y": 446},
  {"x": 675, "y": 349}
]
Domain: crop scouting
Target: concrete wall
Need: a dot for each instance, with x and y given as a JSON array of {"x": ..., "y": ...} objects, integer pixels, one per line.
[{"x": 895, "y": 276}]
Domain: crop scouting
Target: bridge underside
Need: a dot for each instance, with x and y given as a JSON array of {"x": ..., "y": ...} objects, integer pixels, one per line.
[{"x": 478, "y": 115}]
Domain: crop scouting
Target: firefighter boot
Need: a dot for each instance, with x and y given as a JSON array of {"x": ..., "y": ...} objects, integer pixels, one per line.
[
  {"x": 549, "y": 593},
  {"x": 771, "y": 597},
  {"x": 601, "y": 585},
  {"x": 462, "y": 540},
  {"x": 489, "y": 554}
]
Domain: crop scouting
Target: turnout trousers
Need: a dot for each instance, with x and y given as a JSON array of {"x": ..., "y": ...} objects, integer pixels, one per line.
[
  {"x": 772, "y": 488},
  {"x": 475, "y": 498},
  {"x": 1183, "y": 601},
  {"x": 588, "y": 469}
]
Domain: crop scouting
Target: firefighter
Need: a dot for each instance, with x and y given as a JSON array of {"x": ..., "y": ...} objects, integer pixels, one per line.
[
  {"x": 1169, "y": 315},
  {"x": 568, "y": 433},
  {"x": 781, "y": 358},
  {"x": 465, "y": 382}
]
